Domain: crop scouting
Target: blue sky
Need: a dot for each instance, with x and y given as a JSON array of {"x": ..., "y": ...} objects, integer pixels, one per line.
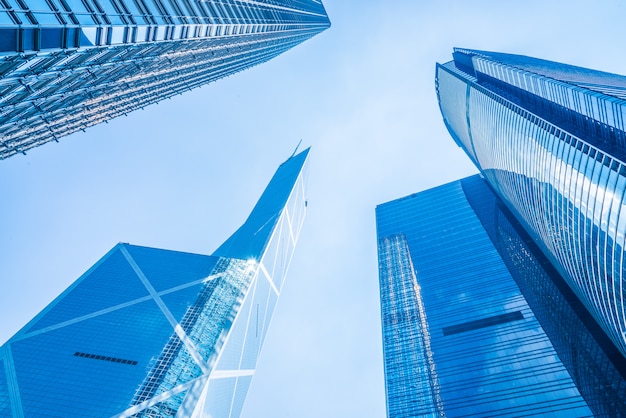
[{"x": 184, "y": 174}]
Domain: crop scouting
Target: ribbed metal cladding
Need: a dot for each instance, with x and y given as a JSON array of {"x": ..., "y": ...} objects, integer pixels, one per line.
[
  {"x": 66, "y": 65},
  {"x": 566, "y": 191}
]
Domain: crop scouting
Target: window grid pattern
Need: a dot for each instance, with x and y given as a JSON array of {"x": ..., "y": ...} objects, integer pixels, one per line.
[
  {"x": 406, "y": 338},
  {"x": 124, "y": 18},
  {"x": 506, "y": 369},
  {"x": 207, "y": 323},
  {"x": 571, "y": 86},
  {"x": 193, "y": 325},
  {"x": 568, "y": 193},
  {"x": 56, "y": 80},
  {"x": 592, "y": 360},
  {"x": 226, "y": 389}
]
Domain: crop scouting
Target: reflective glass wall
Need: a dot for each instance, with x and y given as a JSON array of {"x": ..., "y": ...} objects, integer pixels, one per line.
[
  {"x": 476, "y": 322},
  {"x": 153, "y": 333},
  {"x": 66, "y": 65},
  {"x": 460, "y": 337},
  {"x": 551, "y": 146}
]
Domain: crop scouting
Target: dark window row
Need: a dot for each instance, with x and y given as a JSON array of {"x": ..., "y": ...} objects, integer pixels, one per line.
[
  {"x": 105, "y": 358},
  {"x": 483, "y": 323}
]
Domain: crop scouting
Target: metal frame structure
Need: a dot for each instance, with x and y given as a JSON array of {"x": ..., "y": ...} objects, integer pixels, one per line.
[{"x": 66, "y": 65}]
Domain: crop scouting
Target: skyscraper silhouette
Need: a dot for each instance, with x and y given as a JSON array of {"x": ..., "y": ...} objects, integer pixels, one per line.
[
  {"x": 66, "y": 65},
  {"x": 502, "y": 294},
  {"x": 550, "y": 139},
  {"x": 477, "y": 322},
  {"x": 149, "y": 332}
]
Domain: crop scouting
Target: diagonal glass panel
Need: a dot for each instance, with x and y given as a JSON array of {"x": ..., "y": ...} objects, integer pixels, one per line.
[
  {"x": 109, "y": 283},
  {"x": 5, "y": 403},
  {"x": 243, "y": 384},
  {"x": 91, "y": 367},
  {"x": 179, "y": 302},
  {"x": 258, "y": 319},
  {"x": 219, "y": 397},
  {"x": 231, "y": 353},
  {"x": 166, "y": 408},
  {"x": 167, "y": 269}
]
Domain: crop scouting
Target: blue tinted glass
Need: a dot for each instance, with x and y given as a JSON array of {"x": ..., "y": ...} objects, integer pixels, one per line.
[
  {"x": 148, "y": 332},
  {"x": 167, "y": 269},
  {"x": 52, "y": 378},
  {"x": 111, "y": 282},
  {"x": 550, "y": 139},
  {"x": 220, "y": 396},
  {"x": 459, "y": 337},
  {"x": 194, "y": 35},
  {"x": 243, "y": 383},
  {"x": 250, "y": 240},
  {"x": 5, "y": 405},
  {"x": 180, "y": 301}
]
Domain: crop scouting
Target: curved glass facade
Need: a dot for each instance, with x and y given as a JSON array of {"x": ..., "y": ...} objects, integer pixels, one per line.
[
  {"x": 551, "y": 151},
  {"x": 66, "y": 65},
  {"x": 593, "y": 362}
]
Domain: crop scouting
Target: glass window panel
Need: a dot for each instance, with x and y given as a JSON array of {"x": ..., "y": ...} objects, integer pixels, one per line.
[
  {"x": 77, "y": 6},
  {"x": 38, "y": 5},
  {"x": 131, "y": 7},
  {"x": 46, "y": 18},
  {"x": 110, "y": 11},
  {"x": 85, "y": 19},
  {"x": 4, "y": 19}
]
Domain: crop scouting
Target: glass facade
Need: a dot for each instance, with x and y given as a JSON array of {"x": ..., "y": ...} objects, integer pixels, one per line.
[
  {"x": 152, "y": 333},
  {"x": 551, "y": 141},
  {"x": 476, "y": 322},
  {"x": 66, "y": 65}
]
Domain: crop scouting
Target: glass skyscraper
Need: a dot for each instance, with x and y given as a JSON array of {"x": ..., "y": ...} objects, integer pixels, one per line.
[
  {"x": 148, "y": 332},
  {"x": 66, "y": 65},
  {"x": 476, "y": 321},
  {"x": 551, "y": 140},
  {"x": 503, "y": 294}
]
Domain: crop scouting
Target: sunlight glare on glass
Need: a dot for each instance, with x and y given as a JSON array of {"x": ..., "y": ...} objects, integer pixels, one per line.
[{"x": 251, "y": 265}]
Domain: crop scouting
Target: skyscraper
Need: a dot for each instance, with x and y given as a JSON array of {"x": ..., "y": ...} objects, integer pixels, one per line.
[
  {"x": 148, "y": 332},
  {"x": 66, "y": 65},
  {"x": 551, "y": 141},
  {"x": 503, "y": 294},
  {"x": 476, "y": 321}
]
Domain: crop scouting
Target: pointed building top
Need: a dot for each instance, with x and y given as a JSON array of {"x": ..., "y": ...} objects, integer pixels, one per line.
[{"x": 251, "y": 238}]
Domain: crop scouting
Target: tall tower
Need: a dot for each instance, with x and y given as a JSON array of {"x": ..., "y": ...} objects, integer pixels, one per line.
[
  {"x": 148, "y": 332},
  {"x": 503, "y": 294},
  {"x": 550, "y": 139},
  {"x": 66, "y": 65},
  {"x": 477, "y": 322}
]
